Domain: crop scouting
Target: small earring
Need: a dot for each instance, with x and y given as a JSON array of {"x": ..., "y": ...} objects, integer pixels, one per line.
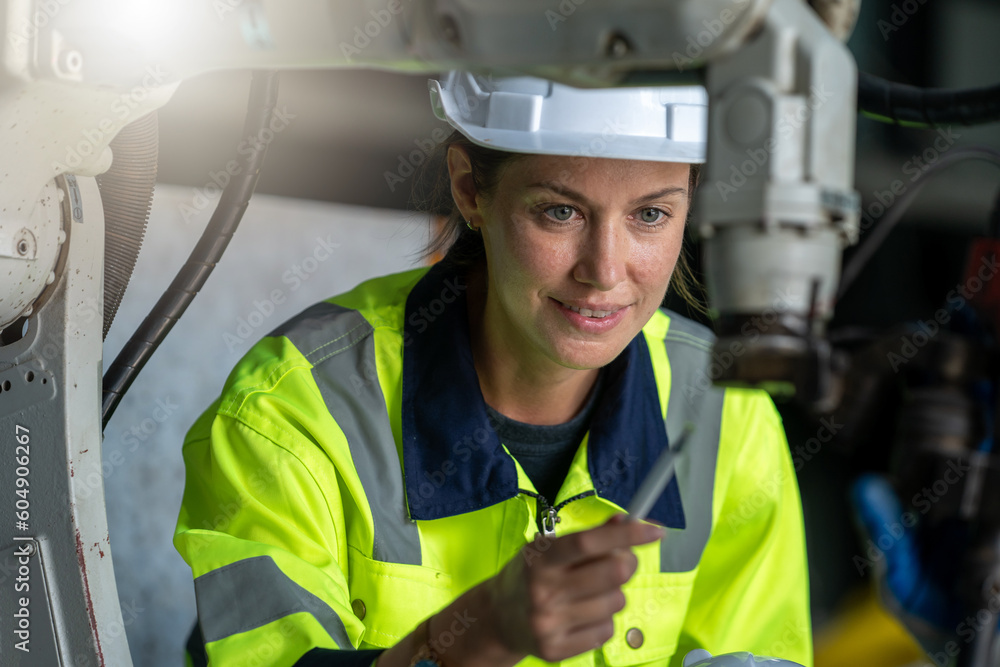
[{"x": 468, "y": 223}]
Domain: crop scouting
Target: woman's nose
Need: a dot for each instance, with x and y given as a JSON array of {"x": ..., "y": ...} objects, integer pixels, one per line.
[{"x": 603, "y": 256}]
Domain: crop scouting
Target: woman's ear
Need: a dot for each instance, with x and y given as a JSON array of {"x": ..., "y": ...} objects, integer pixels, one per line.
[{"x": 463, "y": 186}]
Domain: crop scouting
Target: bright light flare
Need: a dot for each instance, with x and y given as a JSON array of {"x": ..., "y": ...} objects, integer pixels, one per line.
[{"x": 153, "y": 24}]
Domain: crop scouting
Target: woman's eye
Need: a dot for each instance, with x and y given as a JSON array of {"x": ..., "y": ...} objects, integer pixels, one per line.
[
  {"x": 561, "y": 213},
  {"x": 651, "y": 215}
]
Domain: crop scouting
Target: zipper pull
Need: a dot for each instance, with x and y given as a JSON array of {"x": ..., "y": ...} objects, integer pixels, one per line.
[{"x": 548, "y": 517}]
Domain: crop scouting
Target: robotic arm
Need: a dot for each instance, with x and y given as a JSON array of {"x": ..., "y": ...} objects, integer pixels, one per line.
[{"x": 776, "y": 208}]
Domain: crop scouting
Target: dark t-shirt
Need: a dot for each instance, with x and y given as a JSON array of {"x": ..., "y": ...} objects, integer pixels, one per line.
[{"x": 545, "y": 452}]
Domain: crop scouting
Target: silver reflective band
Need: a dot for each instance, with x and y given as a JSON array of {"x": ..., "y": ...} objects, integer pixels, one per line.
[
  {"x": 530, "y": 115},
  {"x": 689, "y": 347},
  {"x": 253, "y": 592},
  {"x": 339, "y": 343}
]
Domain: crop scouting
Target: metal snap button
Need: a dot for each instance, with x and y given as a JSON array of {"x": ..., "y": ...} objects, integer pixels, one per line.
[
  {"x": 634, "y": 637},
  {"x": 359, "y": 609}
]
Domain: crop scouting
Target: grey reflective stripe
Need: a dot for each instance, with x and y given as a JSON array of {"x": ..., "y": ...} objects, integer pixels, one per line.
[
  {"x": 340, "y": 344},
  {"x": 692, "y": 399},
  {"x": 251, "y": 593}
]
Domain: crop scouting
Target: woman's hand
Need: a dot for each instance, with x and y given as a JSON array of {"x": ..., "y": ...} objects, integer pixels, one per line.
[
  {"x": 557, "y": 598},
  {"x": 554, "y": 600}
]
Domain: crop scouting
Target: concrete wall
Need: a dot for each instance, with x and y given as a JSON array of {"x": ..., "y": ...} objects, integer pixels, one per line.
[{"x": 287, "y": 255}]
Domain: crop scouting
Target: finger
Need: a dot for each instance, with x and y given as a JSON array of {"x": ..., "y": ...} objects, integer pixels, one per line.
[
  {"x": 589, "y": 611},
  {"x": 558, "y": 619},
  {"x": 598, "y": 576},
  {"x": 577, "y": 640},
  {"x": 600, "y": 541}
]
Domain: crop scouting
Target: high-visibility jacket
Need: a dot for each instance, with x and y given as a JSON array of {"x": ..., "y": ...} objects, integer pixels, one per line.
[{"x": 347, "y": 485}]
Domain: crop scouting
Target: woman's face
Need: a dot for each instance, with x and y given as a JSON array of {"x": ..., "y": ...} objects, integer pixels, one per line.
[{"x": 580, "y": 252}]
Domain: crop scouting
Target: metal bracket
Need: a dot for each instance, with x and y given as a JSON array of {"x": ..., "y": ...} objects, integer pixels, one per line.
[{"x": 24, "y": 385}]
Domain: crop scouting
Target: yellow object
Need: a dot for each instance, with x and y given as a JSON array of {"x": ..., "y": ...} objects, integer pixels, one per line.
[
  {"x": 866, "y": 635},
  {"x": 347, "y": 485}
]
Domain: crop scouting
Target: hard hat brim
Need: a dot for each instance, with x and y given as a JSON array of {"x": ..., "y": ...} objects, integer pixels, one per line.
[{"x": 527, "y": 115}]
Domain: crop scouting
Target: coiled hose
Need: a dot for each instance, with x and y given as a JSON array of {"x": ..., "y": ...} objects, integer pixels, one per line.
[{"x": 206, "y": 254}]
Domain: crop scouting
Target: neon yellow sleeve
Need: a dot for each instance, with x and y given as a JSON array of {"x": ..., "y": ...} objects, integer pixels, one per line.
[
  {"x": 265, "y": 543},
  {"x": 752, "y": 589}
]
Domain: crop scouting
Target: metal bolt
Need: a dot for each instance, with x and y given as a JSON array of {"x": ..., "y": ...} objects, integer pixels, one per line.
[
  {"x": 29, "y": 548},
  {"x": 22, "y": 247},
  {"x": 449, "y": 29},
  {"x": 71, "y": 62},
  {"x": 618, "y": 46}
]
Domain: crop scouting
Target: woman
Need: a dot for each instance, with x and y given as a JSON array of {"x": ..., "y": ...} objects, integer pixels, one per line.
[{"x": 436, "y": 463}]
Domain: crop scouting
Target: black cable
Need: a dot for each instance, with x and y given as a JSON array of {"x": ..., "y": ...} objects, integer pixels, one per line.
[
  {"x": 926, "y": 107},
  {"x": 868, "y": 248},
  {"x": 995, "y": 217},
  {"x": 206, "y": 254}
]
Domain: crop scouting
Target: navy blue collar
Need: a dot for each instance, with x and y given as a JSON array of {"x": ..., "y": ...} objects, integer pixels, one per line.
[{"x": 452, "y": 458}]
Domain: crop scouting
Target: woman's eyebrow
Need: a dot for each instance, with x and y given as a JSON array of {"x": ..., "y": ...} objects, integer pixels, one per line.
[
  {"x": 569, "y": 193},
  {"x": 561, "y": 189},
  {"x": 665, "y": 192}
]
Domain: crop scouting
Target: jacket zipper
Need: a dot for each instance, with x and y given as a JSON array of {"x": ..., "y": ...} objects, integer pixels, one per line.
[{"x": 547, "y": 515}]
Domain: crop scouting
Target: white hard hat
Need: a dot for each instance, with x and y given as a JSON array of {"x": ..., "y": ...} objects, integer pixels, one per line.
[{"x": 529, "y": 115}]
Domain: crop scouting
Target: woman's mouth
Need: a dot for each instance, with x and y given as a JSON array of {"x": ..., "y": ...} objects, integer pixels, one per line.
[
  {"x": 586, "y": 312},
  {"x": 592, "y": 318}
]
